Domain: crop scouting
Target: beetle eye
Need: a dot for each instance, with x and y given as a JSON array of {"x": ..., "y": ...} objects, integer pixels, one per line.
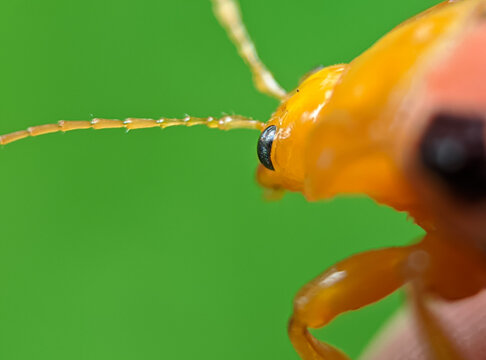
[
  {"x": 264, "y": 147},
  {"x": 453, "y": 149}
]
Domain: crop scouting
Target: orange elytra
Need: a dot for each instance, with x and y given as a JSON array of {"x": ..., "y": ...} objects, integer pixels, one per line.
[{"x": 405, "y": 124}]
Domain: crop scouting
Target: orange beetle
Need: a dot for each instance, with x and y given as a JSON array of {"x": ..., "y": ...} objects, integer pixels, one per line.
[{"x": 404, "y": 123}]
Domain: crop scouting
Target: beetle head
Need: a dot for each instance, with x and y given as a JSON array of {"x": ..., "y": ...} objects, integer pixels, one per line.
[{"x": 282, "y": 143}]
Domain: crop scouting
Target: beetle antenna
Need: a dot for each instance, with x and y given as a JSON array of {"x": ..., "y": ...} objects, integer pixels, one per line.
[
  {"x": 223, "y": 123},
  {"x": 229, "y": 15}
]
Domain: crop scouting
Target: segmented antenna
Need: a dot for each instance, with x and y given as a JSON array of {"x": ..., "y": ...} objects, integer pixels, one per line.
[
  {"x": 223, "y": 123},
  {"x": 229, "y": 15}
]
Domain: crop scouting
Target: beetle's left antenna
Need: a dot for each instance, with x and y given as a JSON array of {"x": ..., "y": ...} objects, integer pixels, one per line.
[
  {"x": 223, "y": 123},
  {"x": 229, "y": 15}
]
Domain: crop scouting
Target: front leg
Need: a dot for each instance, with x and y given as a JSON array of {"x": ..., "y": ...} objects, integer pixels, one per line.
[
  {"x": 349, "y": 285},
  {"x": 368, "y": 277}
]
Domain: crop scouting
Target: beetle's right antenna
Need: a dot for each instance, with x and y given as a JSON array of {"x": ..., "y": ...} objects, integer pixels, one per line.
[
  {"x": 229, "y": 15},
  {"x": 223, "y": 123}
]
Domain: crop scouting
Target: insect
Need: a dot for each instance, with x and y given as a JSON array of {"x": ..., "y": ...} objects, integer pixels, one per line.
[{"x": 404, "y": 124}]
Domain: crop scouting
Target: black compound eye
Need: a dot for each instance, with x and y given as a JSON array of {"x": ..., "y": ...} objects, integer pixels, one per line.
[
  {"x": 453, "y": 148},
  {"x": 264, "y": 147}
]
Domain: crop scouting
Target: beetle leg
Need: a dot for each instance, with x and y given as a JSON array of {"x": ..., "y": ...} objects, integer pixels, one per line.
[
  {"x": 351, "y": 284},
  {"x": 437, "y": 266},
  {"x": 451, "y": 270}
]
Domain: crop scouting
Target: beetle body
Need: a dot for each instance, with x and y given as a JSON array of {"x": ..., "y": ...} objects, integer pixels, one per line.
[
  {"x": 404, "y": 124},
  {"x": 354, "y": 109},
  {"x": 355, "y": 130}
]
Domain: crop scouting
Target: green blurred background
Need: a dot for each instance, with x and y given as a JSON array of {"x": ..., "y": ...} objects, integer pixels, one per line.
[{"x": 157, "y": 245}]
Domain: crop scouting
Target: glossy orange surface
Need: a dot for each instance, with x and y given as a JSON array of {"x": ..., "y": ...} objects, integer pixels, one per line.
[
  {"x": 341, "y": 120},
  {"x": 357, "y": 129},
  {"x": 295, "y": 119}
]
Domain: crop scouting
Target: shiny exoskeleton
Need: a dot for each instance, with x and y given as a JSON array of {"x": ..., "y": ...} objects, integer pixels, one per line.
[{"x": 405, "y": 124}]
